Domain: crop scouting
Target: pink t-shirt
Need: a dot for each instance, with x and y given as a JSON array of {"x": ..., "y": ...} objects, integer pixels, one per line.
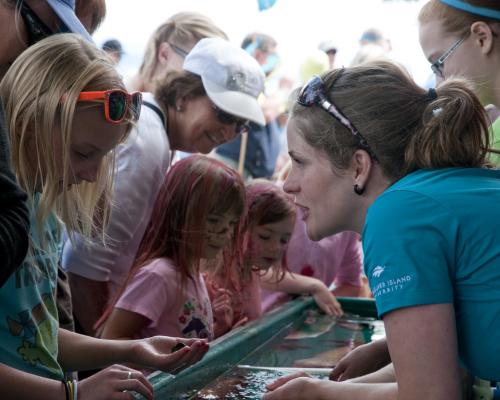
[
  {"x": 155, "y": 293},
  {"x": 336, "y": 258},
  {"x": 245, "y": 300}
]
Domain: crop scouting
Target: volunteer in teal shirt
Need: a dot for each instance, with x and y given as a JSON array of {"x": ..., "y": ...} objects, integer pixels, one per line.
[
  {"x": 407, "y": 168},
  {"x": 432, "y": 237}
]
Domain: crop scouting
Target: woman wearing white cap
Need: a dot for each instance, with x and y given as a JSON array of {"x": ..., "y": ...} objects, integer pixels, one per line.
[{"x": 207, "y": 103}]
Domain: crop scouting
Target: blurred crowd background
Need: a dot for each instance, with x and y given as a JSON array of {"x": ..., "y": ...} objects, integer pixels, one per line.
[{"x": 298, "y": 27}]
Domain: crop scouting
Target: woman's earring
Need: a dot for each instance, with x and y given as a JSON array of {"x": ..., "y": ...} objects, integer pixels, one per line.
[
  {"x": 178, "y": 108},
  {"x": 358, "y": 190}
]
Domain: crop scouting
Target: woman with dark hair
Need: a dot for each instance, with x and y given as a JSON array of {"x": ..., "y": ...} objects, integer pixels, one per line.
[
  {"x": 372, "y": 152},
  {"x": 458, "y": 38}
]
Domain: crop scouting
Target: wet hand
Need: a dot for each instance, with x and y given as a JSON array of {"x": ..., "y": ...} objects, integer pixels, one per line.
[
  {"x": 325, "y": 300},
  {"x": 284, "y": 379},
  {"x": 363, "y": 360},
  {"x": 116, "y": 382},
  {"x": 241, "y": 322},
  {"x": 156, "y": 352},
  {"x": 297, "y": 388}
]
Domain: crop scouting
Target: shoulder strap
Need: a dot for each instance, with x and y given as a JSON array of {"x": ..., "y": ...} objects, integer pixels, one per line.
[{"x": 156, "y": 109}]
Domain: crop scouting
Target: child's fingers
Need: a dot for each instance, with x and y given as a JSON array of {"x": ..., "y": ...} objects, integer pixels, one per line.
[
  {"x": 328, "y": 303},
  {"x": 221, "y": 301},
  {"x": 191, "y": 342},
  {"x": 222, "y": 291},
  {"x": 241, "y": 322},
  {"x": 338, "y": 370},
  {"x": 336, "y": 308},
  {"x": 222, "y": 297},
  {"x": 224, "y": 309},
  {"x": 195, "y": 353}
]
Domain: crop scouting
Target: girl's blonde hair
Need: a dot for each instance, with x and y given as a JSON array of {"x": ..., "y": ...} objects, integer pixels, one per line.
[
  {"x": 182, "y": 30},
  {"x": 40, "y": 92}
]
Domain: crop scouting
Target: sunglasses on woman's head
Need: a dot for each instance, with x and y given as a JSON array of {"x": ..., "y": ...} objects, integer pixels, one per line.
[
  {"x": 313, "y": 94},
  {"x": 241, "y": 125},
  {"x": 116, "y": 103},
  {"x": 181, "y": 52},
  {"x": 35, "y": 27}
]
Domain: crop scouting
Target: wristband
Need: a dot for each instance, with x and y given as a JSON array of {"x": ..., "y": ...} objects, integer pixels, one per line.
[
  {"x": 75, "y": 389},
  {"x": 66, "y": 390}
]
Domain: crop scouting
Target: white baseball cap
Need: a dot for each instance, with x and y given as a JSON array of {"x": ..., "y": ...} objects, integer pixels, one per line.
[{"x": 231, "y": 77}]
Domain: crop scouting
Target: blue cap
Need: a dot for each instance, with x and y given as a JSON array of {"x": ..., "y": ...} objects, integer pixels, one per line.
[{"x": 65, "y": 10}]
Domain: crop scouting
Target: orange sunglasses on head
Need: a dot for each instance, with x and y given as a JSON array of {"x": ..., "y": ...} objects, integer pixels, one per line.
[{"x": 116, "y": 103}]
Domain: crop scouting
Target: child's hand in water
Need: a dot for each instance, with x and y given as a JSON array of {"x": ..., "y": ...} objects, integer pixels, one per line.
[
  {"x": 223, "y": 311},
  {"x": 326, "y": 300},
  {"x": 292, "y": 387},
  {"x": 156, "y": 352},
  {"x": 113, "y": 383}
]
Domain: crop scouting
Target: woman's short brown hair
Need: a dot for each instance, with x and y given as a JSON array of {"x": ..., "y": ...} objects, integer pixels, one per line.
[{"x": 178, "y": 85}]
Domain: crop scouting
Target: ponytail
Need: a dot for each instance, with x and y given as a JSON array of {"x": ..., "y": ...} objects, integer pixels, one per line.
[
  {"x": 407, "y": 127},
  {"x": 454, "y": 130}
]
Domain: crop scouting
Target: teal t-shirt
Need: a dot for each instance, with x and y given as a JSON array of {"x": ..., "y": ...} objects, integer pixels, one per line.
[
  {"x": 28, "y": 316},
  {"x": 433, "y": 237}
]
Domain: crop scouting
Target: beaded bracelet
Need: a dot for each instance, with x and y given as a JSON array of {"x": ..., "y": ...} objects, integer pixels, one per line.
[{"x": 71, "y": 390}]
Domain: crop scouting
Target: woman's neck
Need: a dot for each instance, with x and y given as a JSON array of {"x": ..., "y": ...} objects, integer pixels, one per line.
[
  {"x": 490, "y": 92},
  {"x": 496, "y": 91}
]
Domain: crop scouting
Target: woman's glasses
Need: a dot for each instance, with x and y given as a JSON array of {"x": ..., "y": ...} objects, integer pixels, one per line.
[
  {"x": 181, "y": 52},
  {"x": 437, "y": 66},
  {"x": 35, "y": 27},
  {"x": 116, "y": 103},
  {"x": 241, "y": 125},
  {"x": 313, "y": 94}
]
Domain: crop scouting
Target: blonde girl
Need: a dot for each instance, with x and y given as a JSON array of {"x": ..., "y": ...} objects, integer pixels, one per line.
[{"x": 66, "y": 109}]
